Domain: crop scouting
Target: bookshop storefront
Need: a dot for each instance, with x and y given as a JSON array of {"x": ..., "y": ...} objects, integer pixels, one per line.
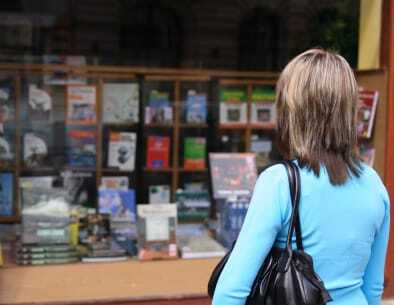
[{"x": 132, "y": 134}]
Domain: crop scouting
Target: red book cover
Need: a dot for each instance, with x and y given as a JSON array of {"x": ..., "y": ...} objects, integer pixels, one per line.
[
  {"x": 366, "y": 110},
  {"x": 158, "y": 152}
]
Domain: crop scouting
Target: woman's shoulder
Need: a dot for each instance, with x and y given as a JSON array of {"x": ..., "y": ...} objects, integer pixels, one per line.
[{"x": 374, "y": 181}]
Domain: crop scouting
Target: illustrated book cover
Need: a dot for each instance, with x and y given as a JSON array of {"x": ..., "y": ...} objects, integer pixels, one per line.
[
  {"x": 121, "y": 150},
  {"x": 366, "y": 110},
  {"x": 40, "y": 104},
  {"x": 232, "y": 174},
  {"x": 121, "y": 103},
  {"x": 159, "y": 109},
  {"x": 262, "y": 147},
  {"x": 81, "y": 148},
  {"x": 81, "y": 105},
  {"x": 158, "y": 152},
  {"x": 233, "y": 106},
  {"x": 157, "y": 231},
  {"x": 194, "y": 152},
  {"x": 6, "y": 195},
  {"x": 196, "y": 107}
]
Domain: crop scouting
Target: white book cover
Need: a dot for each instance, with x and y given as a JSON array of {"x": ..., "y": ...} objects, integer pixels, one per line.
[
  {"x": 159, "y": 194},
  {"x": 233, "y": 113},
  {"x": 121, "y": 103},
  {"x": 121, "y": 152}
]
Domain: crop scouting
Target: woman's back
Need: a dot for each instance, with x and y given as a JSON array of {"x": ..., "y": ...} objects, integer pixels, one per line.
[{"x": 344, "y": 229}]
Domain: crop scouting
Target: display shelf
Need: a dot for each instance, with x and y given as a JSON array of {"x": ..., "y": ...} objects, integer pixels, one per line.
[
  {"x": 267, "y": 126},
  {"x": 169, "y": 126},
  {"x": 158, "y": 170},
  {"x": 191, "y": 170},
  {"x": 193, "y": 125}
]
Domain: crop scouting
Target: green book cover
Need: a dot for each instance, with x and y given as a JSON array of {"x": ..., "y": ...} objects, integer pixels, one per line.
[
  {"x": 194, "y": 153},
  {"x": 263, "y": 94},
  {"x": 233, "y": 95}
]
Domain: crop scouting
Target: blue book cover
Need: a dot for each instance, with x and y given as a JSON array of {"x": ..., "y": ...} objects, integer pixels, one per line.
[
  {"x": 81, "y": 147},
  {"x": 6, "y": 195},
  {"x": 196, "y": 107},
  {"x": 120, "y": 204}
]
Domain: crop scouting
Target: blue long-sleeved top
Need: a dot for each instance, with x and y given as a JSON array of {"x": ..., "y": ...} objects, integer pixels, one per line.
[{"x": 344, "y": 228}]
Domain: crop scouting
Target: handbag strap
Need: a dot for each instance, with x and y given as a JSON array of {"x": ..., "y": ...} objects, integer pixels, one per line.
[{"x": 293, "y": 174}]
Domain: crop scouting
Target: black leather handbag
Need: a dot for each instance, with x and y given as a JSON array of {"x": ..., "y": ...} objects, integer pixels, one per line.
[{"x": 286, "y": 276}]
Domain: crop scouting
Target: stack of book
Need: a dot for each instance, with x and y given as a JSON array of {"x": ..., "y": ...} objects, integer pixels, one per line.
[{"x": 46, "y": 254}]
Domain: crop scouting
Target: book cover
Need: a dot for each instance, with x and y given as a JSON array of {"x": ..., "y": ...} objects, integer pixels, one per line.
[
  {"x": 6, "y": 195},
  {"x": 6, "y": 146},
  {"x": 193, "y": 205},
  {"x": 366, "y": 109},
  {"x": 7, "y": 100},
  {"x": 262, "y": 147},
  {"x": 157, "y": 231},
  {"x": 159, "y": 194},
  {"x": 60, "y": 77},
  {"x": 35, "y": 149},
  {"x": 200, "y": 246},
  {"x": 121, "y": 103},
  {"x": 159, "y": 109},
  {"x": 95, "y": 231},
  {"x": 233, "y": 106},
  {"x": 263, "y": 110},
  {"x": 40, "y": 104},
  {"x": 121, "y": 150},
  {"x": 158, "y": 152},
  {"x": 119, "y": 204},
  {"x": 80, "y": 187},
  {"x": 194, "y": 153},
  {"x": 232, "y": 174},
  {"x": 196, "y": 107},
  {"x": 114, "y": 183},
  {"x": 81, "y": 105},
  {"x": 81, "y": 148}
]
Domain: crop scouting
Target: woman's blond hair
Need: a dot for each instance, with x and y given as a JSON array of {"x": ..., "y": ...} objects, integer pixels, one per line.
[{"x": 316, "y": 106}]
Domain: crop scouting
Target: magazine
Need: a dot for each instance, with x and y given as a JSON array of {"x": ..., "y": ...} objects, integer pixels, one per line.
[
  {"x": 159, "y": 110},
  {"x": 40, "y": 104},
  {"x": 6, "y": 195},
  {"x": 196, "y": 107},
  {"x": 263, "y": 109},
  {"x": 232, "y": 174},
  {"x": 35, "y": 149},
  {"x": 366, "y": 109},
  {"x": 158, "y": 152},
  {"x": 233, "y": 106},
  {"x": 159, "y": 194},
  {"x": 81, "y": 105},
  {"x": 157, "y": 231},
  {"x": 120, "y": 103},
  {"x": 81, "y": 147},
  {"x": 121, "y": 150},
  {"x": 194, "y": 153}
]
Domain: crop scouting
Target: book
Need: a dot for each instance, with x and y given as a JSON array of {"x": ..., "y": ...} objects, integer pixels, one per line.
[
  {"x": 157, "y": 231},
  {"x": 114, "y": 183},
  {"x": 104, "y": 259},
  {"x": 6, "y": 147},
  {"x": 80, "y": 187},
  {"x": 6, "y": 195},
  {"x": 263, "y": 109},
  {"x": 121, "y": 103},
  {"x": 233, "y": 106},
  {"x": 193, "y": 205},
  {"x": 159, "y": 109},
  {"x": 200, "y": 246},
  {"x": 81, "y": 148},
  {"x": 61, "y": 77},
  {"x": 158, "y": 152},
  {"x": 47, "y": 261},
  {"x": 7, "y": 100},
  {"x": 262, "y": 147},
  {"x": 366, "y": 110},
  {"x": 119, "y": 204},
  {"x": 194, "y": 153},
  {"x": 95, "y": 230},
  {"x": 159, "y": 194},
  {"x": 367, "y": 154},
  {"x": 121, "y": 150},
  {"x": 35, "y": 149},
  {"x": 196, "y": 107},
  {"x": 232, "y": 174},
  {"x": 81, "y": 105},
  {"x": 40, "y": 104}
]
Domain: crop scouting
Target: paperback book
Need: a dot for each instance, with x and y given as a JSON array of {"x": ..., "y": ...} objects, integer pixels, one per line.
[
  {"x": 121, "y": 150},
  {"x": 193, "y": 206},
  {"x": 81, "y": 148},
  {"x": 35, "y": 148},
  {"x": 366, "y": 110},
  {"x": 80, "y": 188},
  {"x": 200, "y": 246},
  {"x": 194, "y": 153},
  {"x": 121, "y": 103},
  {"x": 114, "y": 183},
  {"x": 7, "y": 101},
  {"x": 6, "y": 195},
  {"x": 196, "y": 107},
  {"x": 233, "y": 106},
  {"x": 159, "y": 194},
  {"x": 159, "y": 109},
  {"x": 232, "y": 174},
  {"x": 262, "y": 147},
  {"x": 158, "y": 152},
  {"x": 157, "y": 231},
  {"x": 60, "y": 77},
  {"x": 263, "y": 110},
  {"x": 40, "y": 104},
  {"x": 81, "y": 105}
]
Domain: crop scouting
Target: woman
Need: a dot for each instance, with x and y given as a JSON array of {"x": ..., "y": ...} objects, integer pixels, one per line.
[{"x": 344, "y": 207}]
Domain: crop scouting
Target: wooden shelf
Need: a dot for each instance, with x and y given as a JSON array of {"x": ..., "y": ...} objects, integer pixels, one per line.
[
  {"x": 116, "y": 171},
  {"x": 233, "y": 126},
  {"x": 263, "y": 126},
  {"x": 193, "y": 125},
  {"x": 113, "y": 124},
  {"x": 158, "y": 125},
  {"x": 158, "y": 170},
  {"x": 191, "y": 170}
]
